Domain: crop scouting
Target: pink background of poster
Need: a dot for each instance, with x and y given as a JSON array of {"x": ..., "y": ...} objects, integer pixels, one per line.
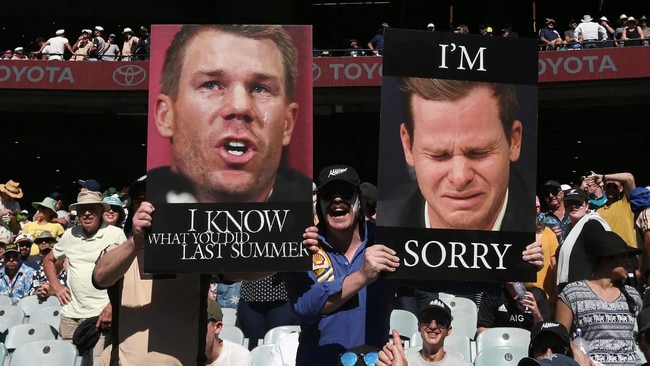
[{"x": 298, "y": 153}]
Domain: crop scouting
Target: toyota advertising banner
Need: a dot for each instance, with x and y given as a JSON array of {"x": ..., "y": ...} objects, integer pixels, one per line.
[{"x": 327, "y": 72}]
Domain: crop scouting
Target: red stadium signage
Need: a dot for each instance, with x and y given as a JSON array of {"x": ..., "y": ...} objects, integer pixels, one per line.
[
  {"x": 73, "y": 75},
  {"x": 557, "y": 66}
]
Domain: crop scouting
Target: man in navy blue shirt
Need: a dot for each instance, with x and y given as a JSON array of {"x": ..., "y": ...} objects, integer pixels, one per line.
[{"x": 343, "y": 302}]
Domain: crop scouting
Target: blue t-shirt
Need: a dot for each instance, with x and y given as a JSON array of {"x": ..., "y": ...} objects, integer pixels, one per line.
[{"x": 363, "y": 320}]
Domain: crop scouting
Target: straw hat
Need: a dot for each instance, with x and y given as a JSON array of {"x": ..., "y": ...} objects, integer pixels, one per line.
[
  {"x": 89, "y": 198},
  {"x": 12, "y": 189}
]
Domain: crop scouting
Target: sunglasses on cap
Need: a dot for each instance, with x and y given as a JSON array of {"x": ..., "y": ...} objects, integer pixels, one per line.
[
  {"x": 345, "y": 191},
  {"x": 351, "y": 358}
]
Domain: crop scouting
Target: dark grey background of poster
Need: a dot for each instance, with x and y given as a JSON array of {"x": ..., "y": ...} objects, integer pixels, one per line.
[
  {"x": 394, "y": 172},
  {"x": 419, "y": 53},
  {"x": 175, "y": 219},
  {"x": 412, "y": 51},
  {"x": 515, "y": 269}
]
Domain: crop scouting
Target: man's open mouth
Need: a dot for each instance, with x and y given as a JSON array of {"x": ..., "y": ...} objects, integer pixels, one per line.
[{"x": 236, "y": 148}]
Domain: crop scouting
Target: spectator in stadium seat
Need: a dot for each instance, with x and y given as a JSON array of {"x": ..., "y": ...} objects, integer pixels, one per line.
[
  {"x": 19, "y": 54},
  {"x": 643, "y": 23},
  {"x": 509, "y": 310},
  {"x": 632, "y": 33},
  {"x": 609, "y": 31},
  {"x": 573, "y": 263},
  {"x": 44, "y": 51},
  {"x": 590, "y": 34},
  {"x": 44, "y": 220},
  {"x": 595, "y": 191},
  {"x": 58, "y": 45},
  {"x": 111, "y": 50},
  {"x": 16, "y": 279},
  {"x": 617, "y": 211},
  {"x": 434, "y": 325},
  {"x": 81, "y": 246},
  {"x": 570, "y": 38},
  {"x": 24, "y": 242},
  {"x": 620, "y": 29},
  {"x": 81, "y": 48},
  {"x": 550, "y": 344},
  {"x": 376, "y": 44},
  {"x": 98, "y": 43},
  {"x": 549, "y": 37},
  {"x": 602, "y": 305},
  {"x": 640, "y": 202},
  {"x": 556, "y": 217},
  {"x": 354, "y": 50},
  {"x": 222, "y": 352},
  {"x": 345, "y": 287},
  {"x": 130, "y": 44},
  {"x": 143, "y": 48}
]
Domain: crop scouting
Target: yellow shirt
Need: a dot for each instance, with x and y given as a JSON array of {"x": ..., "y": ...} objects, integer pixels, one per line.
[
  {"x": 545, "y": 276},
  {"x": 35, "y": 229},
  {"x": 620, "y": 218}
]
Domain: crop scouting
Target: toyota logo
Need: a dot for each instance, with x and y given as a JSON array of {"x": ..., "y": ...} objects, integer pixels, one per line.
[
  {"x": 129, "y": 75},
  {"x": 316, "y": 71}
]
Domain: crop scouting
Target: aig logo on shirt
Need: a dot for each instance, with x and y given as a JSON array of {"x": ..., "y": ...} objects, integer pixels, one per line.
[{"x": 516, "y": 318}]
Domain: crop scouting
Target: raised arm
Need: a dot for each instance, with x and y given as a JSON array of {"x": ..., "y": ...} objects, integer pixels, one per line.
[{"x": 112, "y": 265}]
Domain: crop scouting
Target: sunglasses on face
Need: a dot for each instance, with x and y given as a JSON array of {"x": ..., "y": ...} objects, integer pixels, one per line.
[
  {"x": 25, "y": 245},
  {"x": 441, "y": 323},
  {"x": 553, "y": 192},
  {"x": 345, "y": 191},
  {"x": 115, "y": 209},
  {"x": 540, "y": 349},
  {"x": 42, "y": 241},
  {"x": 11, "y": 257}
]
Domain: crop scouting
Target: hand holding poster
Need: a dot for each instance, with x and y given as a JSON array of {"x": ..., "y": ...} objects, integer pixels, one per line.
[
  {"x": 458, "y": 155},
  {"x": 229, "y": 155}
]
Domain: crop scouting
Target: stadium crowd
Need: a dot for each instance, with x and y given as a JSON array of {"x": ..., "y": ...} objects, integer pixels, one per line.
[
  {"x": 594, "y": 237},
  {"x": 97, "y": 44}
]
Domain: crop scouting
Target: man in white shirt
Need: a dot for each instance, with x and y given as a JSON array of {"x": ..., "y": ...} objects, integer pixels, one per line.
[
  {"x": 434, "y": 324},
  {"x": 58, "y": 45},
  {"x": 590, "y": 34},
  {"x": 222, "y": 352}
]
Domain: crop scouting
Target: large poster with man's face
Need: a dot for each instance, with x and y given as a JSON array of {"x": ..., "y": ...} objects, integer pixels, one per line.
[
  {"x": 229, "y": 152},
  {"x": 457, "y": 158}
]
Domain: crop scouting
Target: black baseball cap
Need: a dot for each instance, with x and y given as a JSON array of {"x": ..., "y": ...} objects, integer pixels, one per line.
[
  {"x": 576, "y": 194},
  {"x": 438, "y": 306},
  {"x": 551, "y": 183},
  {"x": 554, "y": 328},
  {"x": 551, "y": 360},
  {"x": 343, "y": 173}
]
